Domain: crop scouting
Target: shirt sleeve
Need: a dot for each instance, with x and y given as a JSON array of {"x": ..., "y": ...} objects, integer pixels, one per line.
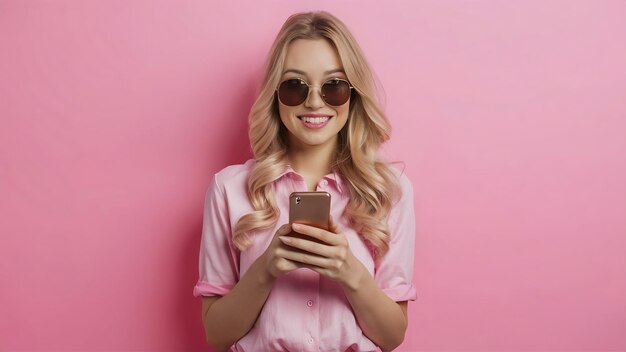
[
  {"x": 219, "y": 258},
  {"x": 394, "y": 273}
]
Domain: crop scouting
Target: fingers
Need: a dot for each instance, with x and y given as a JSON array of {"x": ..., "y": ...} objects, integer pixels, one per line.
[
  {"x": 317, "y": 233},
  {"x": 285, "y": 266},
  {"x": 323, "y": 266},
  {"x": 307, "y": 245},
  {"x": 300, "y": 257}
]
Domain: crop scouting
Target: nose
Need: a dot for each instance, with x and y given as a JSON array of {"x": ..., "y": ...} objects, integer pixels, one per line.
[{"x": 314, "y": 99}]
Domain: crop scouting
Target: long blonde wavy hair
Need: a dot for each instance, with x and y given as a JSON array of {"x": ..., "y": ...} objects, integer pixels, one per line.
[{"x": 373, "y": 186}]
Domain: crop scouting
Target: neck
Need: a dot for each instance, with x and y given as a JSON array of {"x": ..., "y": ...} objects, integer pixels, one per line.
[{"x": 312, "y": 161}]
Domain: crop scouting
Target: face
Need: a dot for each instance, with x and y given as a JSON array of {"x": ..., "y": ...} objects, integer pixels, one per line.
[{"x": 314, "y": 122}]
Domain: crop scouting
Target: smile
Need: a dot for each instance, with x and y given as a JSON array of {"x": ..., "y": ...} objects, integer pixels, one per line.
[{"x": 314, "y": 122}]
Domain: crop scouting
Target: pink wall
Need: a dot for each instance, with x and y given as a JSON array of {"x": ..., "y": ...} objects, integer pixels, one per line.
[{"x": 510, "y": 116}]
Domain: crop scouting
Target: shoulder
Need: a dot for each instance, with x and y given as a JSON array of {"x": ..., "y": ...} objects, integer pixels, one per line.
[
  {"x": 234, "y": 175},
  {"x": 404, "y": 183},
  {"x": 231, "y": 180},
  {"x": 227, "y": 191},
  {"x": 402, "y": 209}
]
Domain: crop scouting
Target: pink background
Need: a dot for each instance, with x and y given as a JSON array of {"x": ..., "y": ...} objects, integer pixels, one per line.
[{"x": 509, "y": 115}]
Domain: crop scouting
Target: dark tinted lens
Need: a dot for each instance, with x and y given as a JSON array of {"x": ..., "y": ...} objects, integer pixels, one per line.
[
  {"x": 292, "y": 92},
  {"x": 336, "y": 92}
]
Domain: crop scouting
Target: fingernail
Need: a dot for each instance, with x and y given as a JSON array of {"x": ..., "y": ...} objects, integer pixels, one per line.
[
  {"x": 295, "y": 226},
  {"x": 285, "y": 239}
]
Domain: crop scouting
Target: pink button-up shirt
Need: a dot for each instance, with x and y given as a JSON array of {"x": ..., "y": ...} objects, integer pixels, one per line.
[{"x": 304, "y": 311}]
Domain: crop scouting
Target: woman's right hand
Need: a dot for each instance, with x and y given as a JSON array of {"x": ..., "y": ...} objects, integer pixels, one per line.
[{"x": 272, "y": 259}]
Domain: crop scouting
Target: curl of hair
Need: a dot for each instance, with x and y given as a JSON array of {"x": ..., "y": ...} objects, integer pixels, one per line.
[{"x": 372, "y": 183}]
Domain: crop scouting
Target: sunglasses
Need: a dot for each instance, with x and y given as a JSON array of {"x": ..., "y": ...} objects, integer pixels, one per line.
[{"x": 294, "y": 91}]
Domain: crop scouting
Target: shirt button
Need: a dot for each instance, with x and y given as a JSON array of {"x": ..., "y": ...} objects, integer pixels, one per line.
[
  {"x": 310, "y": 340},
  {"x": 309, "y": 303}
]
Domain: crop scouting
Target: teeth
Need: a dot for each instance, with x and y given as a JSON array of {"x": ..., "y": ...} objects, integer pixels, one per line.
[{"x": 315, "y": 120}]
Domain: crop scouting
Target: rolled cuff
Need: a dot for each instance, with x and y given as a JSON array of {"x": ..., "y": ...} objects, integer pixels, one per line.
[
  {"x": 204, "y": 288},
  {"x": 406, "y": 292}
]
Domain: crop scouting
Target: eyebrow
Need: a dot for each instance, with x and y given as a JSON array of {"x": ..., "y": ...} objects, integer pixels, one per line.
[{"x": 304, "y": 73}]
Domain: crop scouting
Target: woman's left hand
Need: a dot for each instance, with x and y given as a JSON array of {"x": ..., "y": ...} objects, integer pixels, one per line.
[{"x": 333, "y": 258}]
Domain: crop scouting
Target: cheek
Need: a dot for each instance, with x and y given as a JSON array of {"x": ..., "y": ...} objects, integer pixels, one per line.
[
  {"x": 343, "y": 112},
  {"x": 284, "y": 113}
]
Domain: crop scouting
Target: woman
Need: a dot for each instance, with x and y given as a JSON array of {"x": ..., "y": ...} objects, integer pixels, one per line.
[{"x": 316, "y": 126}]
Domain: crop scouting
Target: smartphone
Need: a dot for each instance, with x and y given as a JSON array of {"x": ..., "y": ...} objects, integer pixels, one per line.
[{"x": 309, "y": 208}]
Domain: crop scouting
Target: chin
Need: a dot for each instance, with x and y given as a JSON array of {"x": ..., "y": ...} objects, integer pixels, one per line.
[{"x": 316, "y": 141}]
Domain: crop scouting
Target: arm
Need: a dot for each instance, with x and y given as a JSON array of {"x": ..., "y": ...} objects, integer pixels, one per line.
[
  {"x": 221, "y": 326},
  {"x": 246, "y": 298},
  {"x": 382, "y": 320},
  {"x": 376, "y": 299},
  {"x": 223, "y": 291}
]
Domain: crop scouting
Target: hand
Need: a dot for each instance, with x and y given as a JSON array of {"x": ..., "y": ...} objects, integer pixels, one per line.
[
  {"x": 333, "y": 258},
  {"x": 273, "y": 259}
]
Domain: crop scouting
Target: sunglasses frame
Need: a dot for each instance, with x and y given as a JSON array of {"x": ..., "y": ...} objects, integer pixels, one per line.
[{"x": 309, "y": 89}]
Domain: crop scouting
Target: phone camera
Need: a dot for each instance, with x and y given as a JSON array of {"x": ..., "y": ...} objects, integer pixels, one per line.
[{"x": 298, "y": 200}]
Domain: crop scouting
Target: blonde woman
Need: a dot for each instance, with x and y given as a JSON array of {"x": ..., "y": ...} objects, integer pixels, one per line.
[{"x": 316, "y": 126}]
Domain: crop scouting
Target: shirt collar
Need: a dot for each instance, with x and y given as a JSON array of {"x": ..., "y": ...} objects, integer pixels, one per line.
[{"x": 334, "y": 177}]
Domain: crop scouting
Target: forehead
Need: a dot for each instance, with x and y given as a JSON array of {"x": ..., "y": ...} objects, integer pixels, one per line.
[{"x": 313, "y": 56}]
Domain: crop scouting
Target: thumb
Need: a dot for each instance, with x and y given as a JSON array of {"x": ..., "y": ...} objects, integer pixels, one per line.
[{"x": 283, "y": 230}]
